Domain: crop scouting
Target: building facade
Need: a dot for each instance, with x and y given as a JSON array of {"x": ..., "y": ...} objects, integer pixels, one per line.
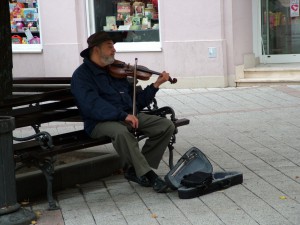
[{"x": 201, "y": 43}]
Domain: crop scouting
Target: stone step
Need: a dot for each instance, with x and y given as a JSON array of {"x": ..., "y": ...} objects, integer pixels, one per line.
[
  {"x": 270, "y": 74},
  {"x": 249, "y": 82},
  {"x": 273, "y": 72}
]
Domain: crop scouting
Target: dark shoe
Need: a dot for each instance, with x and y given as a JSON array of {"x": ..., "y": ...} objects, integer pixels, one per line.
[
  {"x": 159, "y": 185},
  {"x": 131, "y": 176}
]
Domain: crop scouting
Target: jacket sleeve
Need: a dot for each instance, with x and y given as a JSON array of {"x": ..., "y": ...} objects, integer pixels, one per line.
[
  {"x": 90, "y": 103},
  {"x": 146, "y": 96}
]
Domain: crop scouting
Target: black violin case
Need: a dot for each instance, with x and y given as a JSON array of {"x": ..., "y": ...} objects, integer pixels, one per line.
[{"x": 193, "y": 176}]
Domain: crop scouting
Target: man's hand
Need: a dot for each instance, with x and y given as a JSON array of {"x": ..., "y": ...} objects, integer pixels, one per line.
[
  {"x": 132, "y": 120},
  {"x": 163, "y": 77}
]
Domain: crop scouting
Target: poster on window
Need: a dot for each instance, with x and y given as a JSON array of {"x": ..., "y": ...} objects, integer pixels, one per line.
[{"x": 294, "y": 8}]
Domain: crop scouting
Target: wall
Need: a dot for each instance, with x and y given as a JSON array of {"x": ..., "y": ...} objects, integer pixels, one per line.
[
  {"x": 60, "y": 21},
  {"x": 238, "y": 34},
  {"x": 188, "y": 29}
]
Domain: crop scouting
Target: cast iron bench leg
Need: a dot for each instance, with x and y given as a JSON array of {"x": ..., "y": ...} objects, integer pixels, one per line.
[
  {"x": 171, "y": 148},
  {"x": 47, "y": 168}
]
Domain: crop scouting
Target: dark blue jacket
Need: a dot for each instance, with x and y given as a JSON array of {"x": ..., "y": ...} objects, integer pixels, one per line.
[{"x": 101, "y": 97}]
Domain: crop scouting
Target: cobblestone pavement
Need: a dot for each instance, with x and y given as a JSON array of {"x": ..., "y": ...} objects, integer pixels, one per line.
[{"x": 254, "y": 130}]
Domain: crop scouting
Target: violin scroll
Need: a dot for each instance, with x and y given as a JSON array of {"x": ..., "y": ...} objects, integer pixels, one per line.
[{"x": 172, "y": 80}]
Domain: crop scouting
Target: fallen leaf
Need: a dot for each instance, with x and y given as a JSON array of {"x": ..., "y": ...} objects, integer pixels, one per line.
[
  {"x": 33, "y": 222},
  {"x": 297, "y": 177},
  {"x": 154, "y": 215},
  {"x": 25, "y": 202},
  {"x": 38, "y": 213},
  {"x": 282, "y": 197}
]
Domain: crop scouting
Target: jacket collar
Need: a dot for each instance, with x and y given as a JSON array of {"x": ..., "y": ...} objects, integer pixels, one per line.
[{"x": 94, "y": 67}]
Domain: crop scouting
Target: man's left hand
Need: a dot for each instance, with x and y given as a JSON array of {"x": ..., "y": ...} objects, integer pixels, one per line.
[{"x": 163, "y": 77}]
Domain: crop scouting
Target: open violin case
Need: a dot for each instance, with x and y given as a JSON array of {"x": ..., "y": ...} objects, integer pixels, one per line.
[{"x": 193, "y": 176}]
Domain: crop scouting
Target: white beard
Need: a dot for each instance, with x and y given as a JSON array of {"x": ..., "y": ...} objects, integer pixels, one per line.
[{"x": 108, "y": 60}]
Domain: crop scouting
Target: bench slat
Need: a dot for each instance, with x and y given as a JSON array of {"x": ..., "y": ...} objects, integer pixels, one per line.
[
  {"x": 41, "y": 80},
  {"x": 30, "y": 89},
  {"x": 14, "y": 101},
  {"x": 62, "y": 143},
  {"x": 45, "y": 117},
  {"x": 21, "y": 111}
]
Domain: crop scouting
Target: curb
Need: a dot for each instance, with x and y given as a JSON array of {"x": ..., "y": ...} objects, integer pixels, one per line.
[{"x": 33, "y": 184}]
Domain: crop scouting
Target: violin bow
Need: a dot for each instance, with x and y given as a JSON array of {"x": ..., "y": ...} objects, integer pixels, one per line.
[{"x": 134, "y": 90}]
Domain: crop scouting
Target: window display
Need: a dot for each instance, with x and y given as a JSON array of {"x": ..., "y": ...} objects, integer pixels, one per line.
[
  {"x": 24, "y": 20},
  {"x": 128, "y": 20}
]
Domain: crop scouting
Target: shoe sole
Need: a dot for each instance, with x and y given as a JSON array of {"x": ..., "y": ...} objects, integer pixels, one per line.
[{"x": 136, "y": 180}]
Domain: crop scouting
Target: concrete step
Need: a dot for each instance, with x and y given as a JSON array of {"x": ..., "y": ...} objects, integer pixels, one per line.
[
  {"x": 270, "y": 74},
  {"x": 250, "y": 82}
]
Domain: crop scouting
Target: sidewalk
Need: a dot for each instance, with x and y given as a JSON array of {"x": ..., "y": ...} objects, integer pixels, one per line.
[{"x": 255, "y": 131}]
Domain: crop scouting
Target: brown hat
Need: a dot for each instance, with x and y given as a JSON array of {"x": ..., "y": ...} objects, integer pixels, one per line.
[{"x": 94, "y": 40}]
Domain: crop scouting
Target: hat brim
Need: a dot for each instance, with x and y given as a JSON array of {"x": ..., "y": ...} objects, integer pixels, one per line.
[{"x": 85, "y": 53}]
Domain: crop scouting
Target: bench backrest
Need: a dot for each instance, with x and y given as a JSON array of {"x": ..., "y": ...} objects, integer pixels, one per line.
[{"x": 40, "y": 100}]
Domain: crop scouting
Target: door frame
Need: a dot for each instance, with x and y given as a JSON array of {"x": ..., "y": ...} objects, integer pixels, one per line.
[{"x": 257, "y": 40}]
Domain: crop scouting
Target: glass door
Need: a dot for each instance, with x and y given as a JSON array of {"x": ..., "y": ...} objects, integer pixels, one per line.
[{"x": 280, "y": 31}]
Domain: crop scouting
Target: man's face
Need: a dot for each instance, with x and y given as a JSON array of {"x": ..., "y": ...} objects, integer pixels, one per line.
[{"x": 106, "y": 52}]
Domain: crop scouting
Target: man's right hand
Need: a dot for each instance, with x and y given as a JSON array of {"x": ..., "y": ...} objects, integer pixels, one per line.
[{"x": 132, "y": 120}]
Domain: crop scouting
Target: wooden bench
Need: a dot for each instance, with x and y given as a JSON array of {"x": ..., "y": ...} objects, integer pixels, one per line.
[{"x": 36, "y": 101}]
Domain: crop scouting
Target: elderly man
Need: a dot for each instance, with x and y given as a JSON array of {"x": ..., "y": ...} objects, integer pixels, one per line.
[{"x": 106, "y": 106}]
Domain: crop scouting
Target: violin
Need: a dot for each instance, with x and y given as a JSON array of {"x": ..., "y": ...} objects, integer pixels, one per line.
[{"x": 120, "y": 69}]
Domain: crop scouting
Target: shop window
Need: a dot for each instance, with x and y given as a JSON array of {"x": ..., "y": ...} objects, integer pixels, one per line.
[
  {"x": 131, "y": 23},
  {"x": 280, "y": 27},
  {"x": 25, "y": 29}
]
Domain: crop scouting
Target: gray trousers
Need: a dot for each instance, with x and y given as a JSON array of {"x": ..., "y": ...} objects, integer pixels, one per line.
[{"x": 158, "y": 130}]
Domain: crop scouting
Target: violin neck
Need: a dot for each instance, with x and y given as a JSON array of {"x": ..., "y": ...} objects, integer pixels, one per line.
[{"x": 146, "y": 70}]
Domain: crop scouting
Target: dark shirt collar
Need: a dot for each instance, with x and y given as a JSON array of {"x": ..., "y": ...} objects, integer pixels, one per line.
[{"x": 96, "y": 69}]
